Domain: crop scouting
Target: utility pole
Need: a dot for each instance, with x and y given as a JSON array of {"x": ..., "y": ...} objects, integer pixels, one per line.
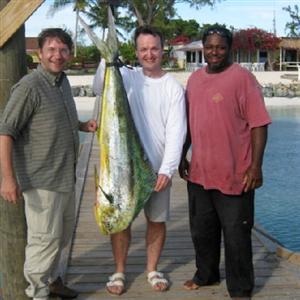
[{"x": 274, "y": 22}]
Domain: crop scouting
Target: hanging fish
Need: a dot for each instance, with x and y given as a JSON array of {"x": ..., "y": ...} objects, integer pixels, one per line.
[{"x": 126, "y": 178}]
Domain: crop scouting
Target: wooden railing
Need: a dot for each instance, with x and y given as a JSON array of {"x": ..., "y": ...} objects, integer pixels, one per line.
[
  {"x": 253, "y": 67},
  {"x": 291, "y": 65}
]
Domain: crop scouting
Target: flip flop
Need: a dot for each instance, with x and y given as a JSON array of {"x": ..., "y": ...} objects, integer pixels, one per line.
[
  {"x": 117, "y": 280},
  {"x": 155, "y": 278}
]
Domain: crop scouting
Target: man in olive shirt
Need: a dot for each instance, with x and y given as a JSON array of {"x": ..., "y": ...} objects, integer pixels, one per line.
[{"x": 38, "y": 154}]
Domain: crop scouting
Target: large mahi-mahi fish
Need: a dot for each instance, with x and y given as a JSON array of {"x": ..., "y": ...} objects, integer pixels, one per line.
[{"x": 126, "y": 178}]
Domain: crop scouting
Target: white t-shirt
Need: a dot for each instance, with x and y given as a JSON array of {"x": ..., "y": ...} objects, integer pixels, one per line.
[{"x": 158, "y": 110}]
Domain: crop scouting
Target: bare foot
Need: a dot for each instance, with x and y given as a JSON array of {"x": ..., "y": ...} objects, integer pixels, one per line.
[{"x": 190, "y": 285}]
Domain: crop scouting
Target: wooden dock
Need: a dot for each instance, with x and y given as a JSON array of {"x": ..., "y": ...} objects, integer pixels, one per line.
[{"x": 91, "y": 260}]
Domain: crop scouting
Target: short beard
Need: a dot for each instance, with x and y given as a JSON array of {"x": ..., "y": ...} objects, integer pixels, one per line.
[{"x": 219, "y": 68}]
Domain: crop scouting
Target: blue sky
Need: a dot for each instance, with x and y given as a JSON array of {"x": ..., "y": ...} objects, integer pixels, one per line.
[{"x": 238, "y": 13}]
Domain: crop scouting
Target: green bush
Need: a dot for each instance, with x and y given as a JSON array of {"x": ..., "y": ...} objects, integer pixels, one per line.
[
  {"x": 127, "y": 52},
  {"x": 88, "y": 54},
  {"x": 29, "y": 60}
]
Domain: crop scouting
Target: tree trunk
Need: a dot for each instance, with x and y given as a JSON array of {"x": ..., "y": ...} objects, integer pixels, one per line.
[
  {"x": 271, "y": 60},
  {"x": 76, "y": 33},
  {"x": 138, "y": 15},
  {"x": 12, "y": 217}
]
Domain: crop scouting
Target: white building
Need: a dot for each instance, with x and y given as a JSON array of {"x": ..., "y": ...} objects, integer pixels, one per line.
[{"x": 192, "y": 54}]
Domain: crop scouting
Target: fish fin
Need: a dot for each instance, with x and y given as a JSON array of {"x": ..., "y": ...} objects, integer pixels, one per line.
[{"x": 109, "y": 197}]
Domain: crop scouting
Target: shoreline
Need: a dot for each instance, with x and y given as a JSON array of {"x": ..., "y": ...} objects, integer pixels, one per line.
[
  {"x": 263, "y": 78},
  {"x": 276, "y": 102},
  {"x": 85, "y": 105}
]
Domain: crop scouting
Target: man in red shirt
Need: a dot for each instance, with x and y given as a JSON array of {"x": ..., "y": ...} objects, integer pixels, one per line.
[{"x": 228, "y": 133}]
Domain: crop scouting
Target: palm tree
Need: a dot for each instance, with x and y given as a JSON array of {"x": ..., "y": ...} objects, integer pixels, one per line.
[
  {"x": 78, "y": 5},
  {"x": 137, "y": 12},
  {"x": 95, "y": 11}
]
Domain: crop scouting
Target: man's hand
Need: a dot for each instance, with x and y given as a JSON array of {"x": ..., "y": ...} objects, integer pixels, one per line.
[
  {"x": 89, "y": 126},
  {"x": 253, "y": 179},
  {"x": 161, "y": 182},
  {"x": 10, "y": 190},
  {"x": 183, "y": 169}
]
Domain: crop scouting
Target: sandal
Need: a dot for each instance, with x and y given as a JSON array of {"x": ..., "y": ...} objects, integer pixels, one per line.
[
  {"x": 158, "y": 282},
  {"x": 116, "y": 284}
]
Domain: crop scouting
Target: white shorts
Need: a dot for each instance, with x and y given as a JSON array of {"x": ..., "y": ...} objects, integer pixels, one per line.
[{"x": 157, "y": 208}]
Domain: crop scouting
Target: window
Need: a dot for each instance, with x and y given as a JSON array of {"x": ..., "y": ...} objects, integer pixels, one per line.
[{"x": 191, "y": 56}]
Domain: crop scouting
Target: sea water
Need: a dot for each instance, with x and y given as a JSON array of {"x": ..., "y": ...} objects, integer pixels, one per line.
[{"x": 278, "y": 201}]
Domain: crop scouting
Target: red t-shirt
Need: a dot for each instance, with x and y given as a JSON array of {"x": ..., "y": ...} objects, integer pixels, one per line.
[{"x": 223, "y": 108}]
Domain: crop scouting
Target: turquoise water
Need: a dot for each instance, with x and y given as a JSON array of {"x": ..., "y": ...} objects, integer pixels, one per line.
[{"x": 278, "y": 201}]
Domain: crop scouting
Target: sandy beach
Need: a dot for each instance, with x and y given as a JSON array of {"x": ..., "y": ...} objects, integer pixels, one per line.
[{"x": 85, "y": 105}]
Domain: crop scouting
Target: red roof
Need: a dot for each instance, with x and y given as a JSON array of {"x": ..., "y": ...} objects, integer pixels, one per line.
[
  {"x": 31, "y": 44},
  {"x": 179, "y": 40}
]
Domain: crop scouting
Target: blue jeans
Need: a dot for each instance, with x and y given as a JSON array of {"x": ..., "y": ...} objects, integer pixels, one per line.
[{"x": 211, "y": 212}]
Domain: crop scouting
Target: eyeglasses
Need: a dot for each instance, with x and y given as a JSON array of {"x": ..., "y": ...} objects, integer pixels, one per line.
[{"x": 61, "y": 51}]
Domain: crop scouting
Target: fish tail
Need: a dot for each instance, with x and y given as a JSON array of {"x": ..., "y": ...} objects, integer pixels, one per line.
[
  {"x": 112, "y": 40},
  {"x": 101, "y": 45},
  {"x": 108, "y": 49}
]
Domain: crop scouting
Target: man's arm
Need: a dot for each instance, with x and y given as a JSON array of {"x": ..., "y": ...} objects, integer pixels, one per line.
[
  {"x": 175, "y": 134},
  {"x": 253, "y": 177},
  {"x": 184, "y": 163},
  {"x": 9, "y": 189}
]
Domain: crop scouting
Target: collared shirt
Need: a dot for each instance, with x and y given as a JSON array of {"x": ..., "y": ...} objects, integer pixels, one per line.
[{"x": 42, "y": 119}]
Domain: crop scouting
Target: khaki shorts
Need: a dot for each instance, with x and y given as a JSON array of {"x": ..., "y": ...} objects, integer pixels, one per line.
[{"x": 157, "y": 208}]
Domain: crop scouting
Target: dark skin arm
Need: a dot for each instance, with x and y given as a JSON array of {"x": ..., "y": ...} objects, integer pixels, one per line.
[
  {"x": 253, "y": 178},
  {"x": 184, "y": 163}
]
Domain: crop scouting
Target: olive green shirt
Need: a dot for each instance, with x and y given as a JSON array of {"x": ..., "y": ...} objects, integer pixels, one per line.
[{"x": 41, "y": 118}]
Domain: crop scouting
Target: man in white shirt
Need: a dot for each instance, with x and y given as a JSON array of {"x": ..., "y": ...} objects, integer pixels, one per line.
[{"x": 157, "y": 105}]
